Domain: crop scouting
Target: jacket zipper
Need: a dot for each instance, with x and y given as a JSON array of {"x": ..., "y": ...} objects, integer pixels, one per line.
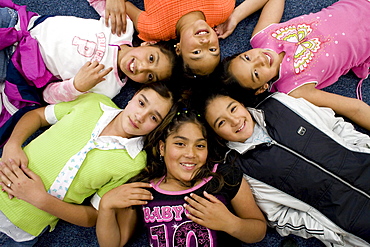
[{"x": 273, "y": 142}]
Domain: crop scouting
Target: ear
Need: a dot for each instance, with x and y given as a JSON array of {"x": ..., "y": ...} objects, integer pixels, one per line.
[
  {"x": 161, "y": 148},
  {"x": 146, "y": 43},
  {"x": 178, "y": 49},
  {"x": 262, "y": 89}
]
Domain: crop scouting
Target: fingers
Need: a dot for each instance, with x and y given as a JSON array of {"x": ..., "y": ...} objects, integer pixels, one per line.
[
  {"x": 195, "y": 207},
  {"x": 117, "y": 22},
  {"x": 6, "y": 174},
  {"x": 128, "y": 195},
  {"x": 106, "y": 18},
  {"x": 195, "y": 200},
  {"x": 139, "y": 191},
  {"x": 29, "y": 173},
  {"x": 5, "y": 178},
  {"x": 98, "y": 68},
  {"x": 210, "y": 197}
]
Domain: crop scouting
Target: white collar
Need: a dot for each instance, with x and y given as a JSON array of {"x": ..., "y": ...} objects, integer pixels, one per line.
[
  {"x": 259, "y": 135},
  {"x": 133, "y": 145}
]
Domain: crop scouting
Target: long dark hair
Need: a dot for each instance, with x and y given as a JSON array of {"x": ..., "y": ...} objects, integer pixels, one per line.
[{"x": 156, "y": 168}]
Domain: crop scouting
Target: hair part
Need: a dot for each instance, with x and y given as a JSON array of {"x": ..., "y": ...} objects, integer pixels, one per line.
[{"x": 161, "y": 88}]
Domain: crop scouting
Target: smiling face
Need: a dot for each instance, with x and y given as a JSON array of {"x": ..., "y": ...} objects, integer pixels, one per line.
[
  {"x": 144, "y": 64},
  {"x": 185, "y": 152},
  {"x": 143, "y": 113},
  {"x": 199, "y": 48},
  {"x": 229, "y": 119},
  {"x": 255, "y": 68}
]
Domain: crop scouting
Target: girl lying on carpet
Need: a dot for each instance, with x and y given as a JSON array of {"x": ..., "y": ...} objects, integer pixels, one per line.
[
  {"x": 305, "y": 54},
  {"x": 182, "y": 197},
  {"x": 308, "y": 169},
  {"x": 91, "y": 147}
]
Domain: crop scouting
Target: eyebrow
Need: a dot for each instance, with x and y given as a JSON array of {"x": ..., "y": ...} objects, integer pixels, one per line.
[
  {"x": 155, "y": 111},
  {"x": 246, "y": 61},
  {"x": 198, "y": 58},
  {"x": 186, "y": 139},
  {"x": 156, "y": 64},
  {"x": 228, "y": 106}
]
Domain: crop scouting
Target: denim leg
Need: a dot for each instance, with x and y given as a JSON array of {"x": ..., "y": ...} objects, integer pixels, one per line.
[
  {"x": 8, "y": 18},
  {"x": 6, "y": 241}
]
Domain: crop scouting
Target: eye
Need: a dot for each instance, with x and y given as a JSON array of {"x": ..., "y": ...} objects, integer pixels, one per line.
[
  {"x": 196, "y": 52},
  {"x": 150, "y": 77},
  {"x": 201, "y": 146},
  {"x": 154, "y": 118},
  {"x": 151, "y": 58},
  {"x": 220, "y": 123},
  {"x": 247, "y": 57},
  {"x": 213, "y": 49},
  {"x": 256, "y": 74},
  {"x": 179, "y": 144},
  {"x": 233, "y": 109},
  {"x": 141, "y": 103}
]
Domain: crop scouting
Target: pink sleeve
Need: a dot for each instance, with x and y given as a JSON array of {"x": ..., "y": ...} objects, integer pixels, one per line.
[
  {"x": 61, "y": 92},
  {"x": 99, "y": 6}
]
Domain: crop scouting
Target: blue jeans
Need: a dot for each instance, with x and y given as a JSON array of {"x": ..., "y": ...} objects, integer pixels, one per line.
[
  {"x": 6, "y": 241},
  {"x": 8, "y": 18}
]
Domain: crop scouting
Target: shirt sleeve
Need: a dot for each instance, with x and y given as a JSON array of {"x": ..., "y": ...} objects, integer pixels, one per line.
[
  {"x": 289, "y": 215},
  {"x": 99, "y": 6},
  {"x": 61, "y": 92},
  {"x": 50, "y": 114},
  {"x": 95, "y": 201}
]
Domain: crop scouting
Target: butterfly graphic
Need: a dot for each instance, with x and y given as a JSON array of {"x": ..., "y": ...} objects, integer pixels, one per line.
[{"x": 306, "y": 48}]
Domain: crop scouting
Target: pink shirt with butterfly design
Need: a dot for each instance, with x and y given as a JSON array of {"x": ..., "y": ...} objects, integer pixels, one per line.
[{"x": 320, "y": 47}]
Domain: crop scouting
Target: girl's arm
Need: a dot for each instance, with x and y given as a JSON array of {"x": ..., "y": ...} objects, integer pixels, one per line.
[
  {"x": 117, "y": 219},
  {"x": 26, "y": 126},
  {"x": 28, "y": 186},
  {"x": 133, "y": 12},
  {"x": 272, "y": 11},
  {"x": 115, "y": 226},
  {"x": 248, "y": 225},
  {"x": 114, "y": 13},
  {"x": 354, "y": 109},
  {"x": 86, "y": 78}
]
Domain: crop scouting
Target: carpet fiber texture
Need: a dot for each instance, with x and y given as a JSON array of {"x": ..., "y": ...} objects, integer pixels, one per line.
[{"x": 67, "y": 234}]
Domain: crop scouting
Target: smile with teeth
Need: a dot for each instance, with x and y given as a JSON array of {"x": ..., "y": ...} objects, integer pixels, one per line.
[
  {"x": 132, "y": 66},
  {"x": 187, "y": 165},
  {"x": 268, "y": 58},
  {"x": 202, "y": 32},
  {"x": 241, "y": 127}
]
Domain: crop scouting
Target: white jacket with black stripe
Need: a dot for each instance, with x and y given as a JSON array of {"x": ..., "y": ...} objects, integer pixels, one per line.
[{"x": 311, "y": 180}]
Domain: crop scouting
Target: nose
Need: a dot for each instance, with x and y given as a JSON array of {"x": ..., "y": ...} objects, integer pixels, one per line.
[
  {"x": 259, "y": 60},
  {"x": 234, "y": 121},
  {"x": 140, "y": 116},
  {"x": 190, "y": 152},
  {"x": 142, "y": 66},
  {"x": 204, "y": 40}
]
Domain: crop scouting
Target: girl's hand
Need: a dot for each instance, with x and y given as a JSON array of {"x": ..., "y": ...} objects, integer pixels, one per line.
[
  {"x": 211, "y": 213},
  {"x": 126, "y": 195},
  {"x": 225, "y": 29},
  {"x": 115, "y": 12},
  {"x": 14, "y": 153},
  {"x": 90, "y": 75},
  {"x": 22, "y": 183}
]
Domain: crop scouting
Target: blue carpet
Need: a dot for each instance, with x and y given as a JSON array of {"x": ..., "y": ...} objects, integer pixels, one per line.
[{"x": 67, "y": 234}]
